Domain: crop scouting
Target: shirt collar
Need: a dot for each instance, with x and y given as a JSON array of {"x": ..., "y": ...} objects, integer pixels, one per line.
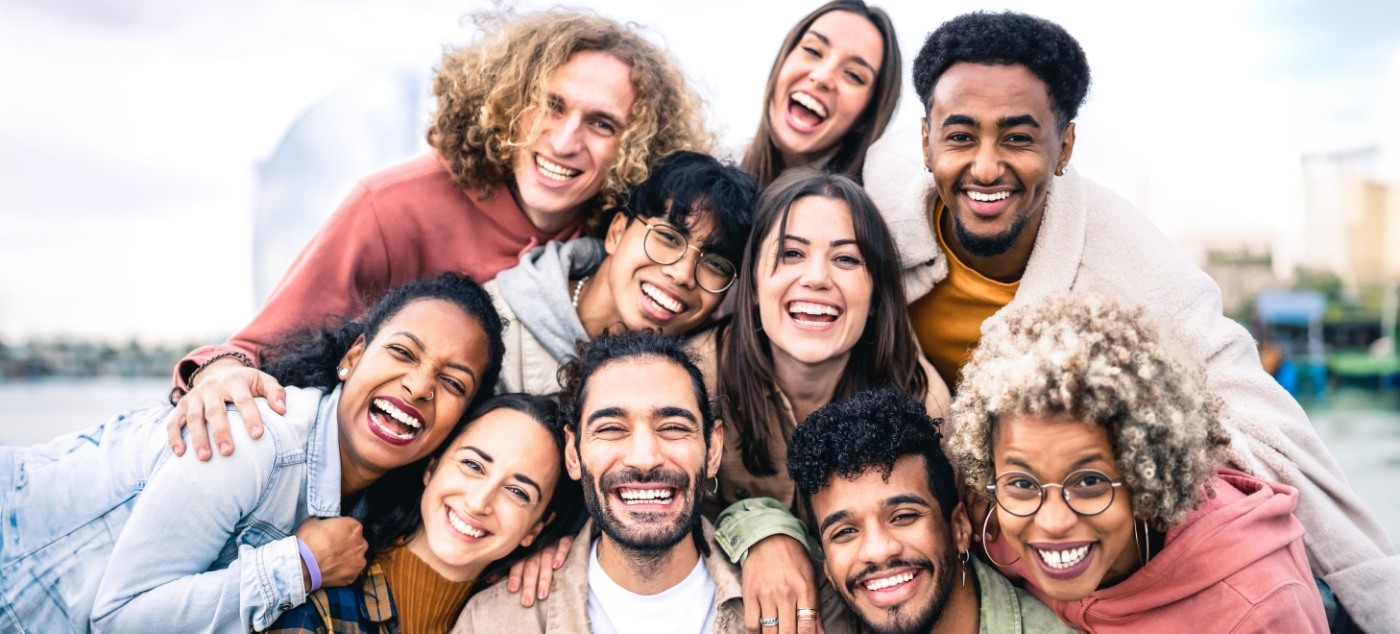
[{"x": 323, "y": 460}]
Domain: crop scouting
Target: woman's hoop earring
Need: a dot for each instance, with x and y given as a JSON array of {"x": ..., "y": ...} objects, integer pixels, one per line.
[
  {"x": 963, "y": 558},
  {"x": 1144, "y": 551},
  {"x": 987, "y": 551}
]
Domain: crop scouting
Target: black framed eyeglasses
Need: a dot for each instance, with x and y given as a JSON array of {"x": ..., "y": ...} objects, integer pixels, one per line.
[
  {"x": 666, "y": 245},
  {"x": 1087, "y": 492}
]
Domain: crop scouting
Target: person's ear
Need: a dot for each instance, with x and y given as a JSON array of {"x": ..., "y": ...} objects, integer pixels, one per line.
[
  {"x": 716, "y": 449},
  {"x": 571, "y": 460},
  {"x": 961, "y": 527},
  {"x": 534, "y": 532},
  {"x": 428, "y": 473},
  {"x": 923, "y": 144},
  {"x": 352, "y": 357},
  {"x": 1066, "y": 148},
  {"x": 616, "y": 228}
]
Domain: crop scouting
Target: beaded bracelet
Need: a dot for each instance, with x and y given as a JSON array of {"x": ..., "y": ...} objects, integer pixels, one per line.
[{"x": 242, "y": 358}]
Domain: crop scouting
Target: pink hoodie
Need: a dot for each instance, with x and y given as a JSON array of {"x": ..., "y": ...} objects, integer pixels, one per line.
[{"x": 1236, "y": 565}]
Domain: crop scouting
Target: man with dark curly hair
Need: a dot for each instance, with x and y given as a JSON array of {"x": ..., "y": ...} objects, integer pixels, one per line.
[
  {"x": 885, "y": 508},
  {"x": 544, "y": 121},
  {"x": 999, "y": 220}
]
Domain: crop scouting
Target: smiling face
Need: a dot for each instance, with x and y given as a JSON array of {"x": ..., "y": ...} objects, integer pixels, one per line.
[
  {"x": 577, "y": 132},
  {"x": 641, "y": 454},
  {"x": 994, "y": 144},
  {"x": 1069, "y": 555},
  {"x": 407, "y": 388},
  {"x": 486, "y": 494},
  {"x": 813, "y": 289},
  {"x": 889, "y": 552},
  {"x": 647, "y": 295},
  {"x": 824, "y": 85}
]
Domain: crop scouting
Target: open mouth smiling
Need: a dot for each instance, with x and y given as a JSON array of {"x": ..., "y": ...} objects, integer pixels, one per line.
[
  {"x": 651, "y": 495},
  {"x": 555, "y": 171},
  {"x": 813, "y": 314},
  {"x": 662, "y": 300},
  {"x": 465, "y": 527},
  {"x": 394, "y": 421}
]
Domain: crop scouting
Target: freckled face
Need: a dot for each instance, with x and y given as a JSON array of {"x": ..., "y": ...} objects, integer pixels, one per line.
[
  {"x": 1069, "y": 555},
  {"x": 408, "y": 387},
  {"x": 824, "y": 85},
  {"x": 814, "y": 291},
  {"x": 487, "y": 493},
  {"x": 576, "y": 138}
]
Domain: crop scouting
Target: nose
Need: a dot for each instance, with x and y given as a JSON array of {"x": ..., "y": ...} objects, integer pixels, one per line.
[
  {"x": 822, "y": 73},
  {"x": 816, "y": 273},
  {"x": 682, "y": 271},
  {"x": 643, "y": 451},
  {"x": 878, "y": 547},
  {"x": 479, "y": 500},
  {"x": 987, "y": 165},
  {"x": 565, "y": 134},
  {"x": 418, "y": 384},
  {"x": 1055, "y": 517}
]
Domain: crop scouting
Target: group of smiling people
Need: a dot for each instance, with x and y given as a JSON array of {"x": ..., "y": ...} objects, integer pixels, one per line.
[{"x": 569, "y": 372}]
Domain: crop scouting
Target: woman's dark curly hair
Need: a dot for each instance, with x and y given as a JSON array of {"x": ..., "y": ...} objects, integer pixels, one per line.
[
  {"x": 310, "y": 359},
  {"x": 871, "y": 430},
  {"x": 1009, "y": 38}
]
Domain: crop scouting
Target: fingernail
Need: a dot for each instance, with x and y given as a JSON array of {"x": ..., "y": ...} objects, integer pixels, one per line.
[
  {"x": 529, "y": 601},
  {"x": 202, "y": 453},
  {"x": 255, "y": 432},
  {"x": 512, "y": 586},
  {"x": 177, "y": 450},
  {"x": 225, "y": 448}
]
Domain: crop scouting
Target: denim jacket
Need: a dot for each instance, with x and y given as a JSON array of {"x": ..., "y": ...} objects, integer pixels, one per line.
[{"x": 106, "y": 529}]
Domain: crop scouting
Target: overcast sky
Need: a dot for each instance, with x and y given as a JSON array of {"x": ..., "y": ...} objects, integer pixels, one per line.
[{"x": 131, "y": 133}]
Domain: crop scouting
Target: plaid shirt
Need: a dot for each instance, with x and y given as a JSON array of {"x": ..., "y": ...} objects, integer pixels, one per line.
[{"x": 367, "y": 609}]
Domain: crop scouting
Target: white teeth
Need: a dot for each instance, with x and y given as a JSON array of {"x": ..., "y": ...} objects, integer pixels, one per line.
[
  {"x": 638, "y": 496},
  {"x": 1061, "y": 559},
  {"x": 662, "y": 299},
  {"x": 988, "y": 198},
  {"x": 810, "y": 103},
  {"x": 462, "y": 527},
  {"x": 887, "y": 582},
  {"x": 554, "y": 170},
  {"x": 808, "y": 308},
  {"x": 398, "y": 414}
]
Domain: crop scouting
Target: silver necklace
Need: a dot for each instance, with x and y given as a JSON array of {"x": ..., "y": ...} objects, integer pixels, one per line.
[{"x": 579, "y": 288}]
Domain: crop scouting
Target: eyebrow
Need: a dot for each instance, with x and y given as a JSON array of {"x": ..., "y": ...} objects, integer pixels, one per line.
[
  {"x": 835, "y": 243},
  {"x": 672, "y": 411},
  {"x": 827, "y": 41},
  {"x": 456, "y": 366},
  {"x": 518, "y": 476},
  {"x": 1004, "y": 122},
  {"x": 894, "y": 500},
  {"x": 601, "y": 114}
]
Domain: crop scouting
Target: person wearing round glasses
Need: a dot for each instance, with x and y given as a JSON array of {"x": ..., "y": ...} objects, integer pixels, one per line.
[
  {"x": 665, "y": 263},
  {"x": 1100, "y": 449}
]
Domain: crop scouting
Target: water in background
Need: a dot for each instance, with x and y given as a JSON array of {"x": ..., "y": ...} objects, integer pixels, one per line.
[{"x": 1361, "y": 429}]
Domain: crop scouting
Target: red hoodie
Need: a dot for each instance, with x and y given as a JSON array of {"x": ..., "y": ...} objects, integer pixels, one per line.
[{"x": 1236, "y": 565}]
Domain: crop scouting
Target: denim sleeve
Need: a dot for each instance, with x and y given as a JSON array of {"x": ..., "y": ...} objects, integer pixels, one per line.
[
  {"x": 159, "y": 575},
  {"x": 750, "y": 521}
]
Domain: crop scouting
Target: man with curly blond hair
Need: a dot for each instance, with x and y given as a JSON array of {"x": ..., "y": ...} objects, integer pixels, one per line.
[
  {"x": 991, "y": 216},
  {"x": 1095, "y": 437},
  {"x": 546, "y": 120}
]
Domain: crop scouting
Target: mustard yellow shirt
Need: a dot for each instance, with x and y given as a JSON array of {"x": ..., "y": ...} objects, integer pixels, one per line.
[{"x": 948, "y": 320}]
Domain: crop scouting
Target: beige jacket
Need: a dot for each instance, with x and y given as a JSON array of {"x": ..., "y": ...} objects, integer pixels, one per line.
[
  {"x": 1091, "y": 240},
  {"x": 566, "y": 609}
]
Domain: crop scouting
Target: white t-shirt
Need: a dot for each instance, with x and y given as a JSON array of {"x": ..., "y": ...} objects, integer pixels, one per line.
[{"x": 688, "y": 607}]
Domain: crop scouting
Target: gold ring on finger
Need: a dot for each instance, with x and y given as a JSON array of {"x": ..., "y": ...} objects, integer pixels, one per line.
[{"x": 806, "y": 614}]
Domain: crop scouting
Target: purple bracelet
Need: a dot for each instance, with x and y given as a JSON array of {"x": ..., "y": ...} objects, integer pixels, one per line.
[{"x": 310, "y": 561}]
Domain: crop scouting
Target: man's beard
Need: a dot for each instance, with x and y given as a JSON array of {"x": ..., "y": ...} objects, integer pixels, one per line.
[
  {"x": 632, "y": 538},
  {"x": 989, "y": 246},
  {"x": 899, "y": 618}
]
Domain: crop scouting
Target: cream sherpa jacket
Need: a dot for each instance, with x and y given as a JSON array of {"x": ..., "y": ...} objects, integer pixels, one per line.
[{"x": 1094, "y": 241}]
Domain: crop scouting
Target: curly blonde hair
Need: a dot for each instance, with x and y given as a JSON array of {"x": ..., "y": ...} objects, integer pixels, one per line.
[
  {"x": 1103, "y": 363},
  {"x": 488, "y": 93}
]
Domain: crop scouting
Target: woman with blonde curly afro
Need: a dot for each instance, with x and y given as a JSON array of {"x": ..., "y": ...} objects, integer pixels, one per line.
[
  {"x": 546, "y": 120},
  {"x": 1100, "y": 448}
]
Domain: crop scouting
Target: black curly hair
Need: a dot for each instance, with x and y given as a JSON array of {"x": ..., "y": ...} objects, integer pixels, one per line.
[
  {"x": 1008, "y": 38},
  {"x": 872, "y": 429},
  {"x": 686, "y": 183}
]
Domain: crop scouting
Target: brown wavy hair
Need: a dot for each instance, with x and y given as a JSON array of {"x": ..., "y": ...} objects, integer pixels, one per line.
[
  {"x": 763, "y": 158},
  {"x": 488, "y": 94},
  {"x": 885, "y": 354},
  {"x": 1106, "y": 364}
]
